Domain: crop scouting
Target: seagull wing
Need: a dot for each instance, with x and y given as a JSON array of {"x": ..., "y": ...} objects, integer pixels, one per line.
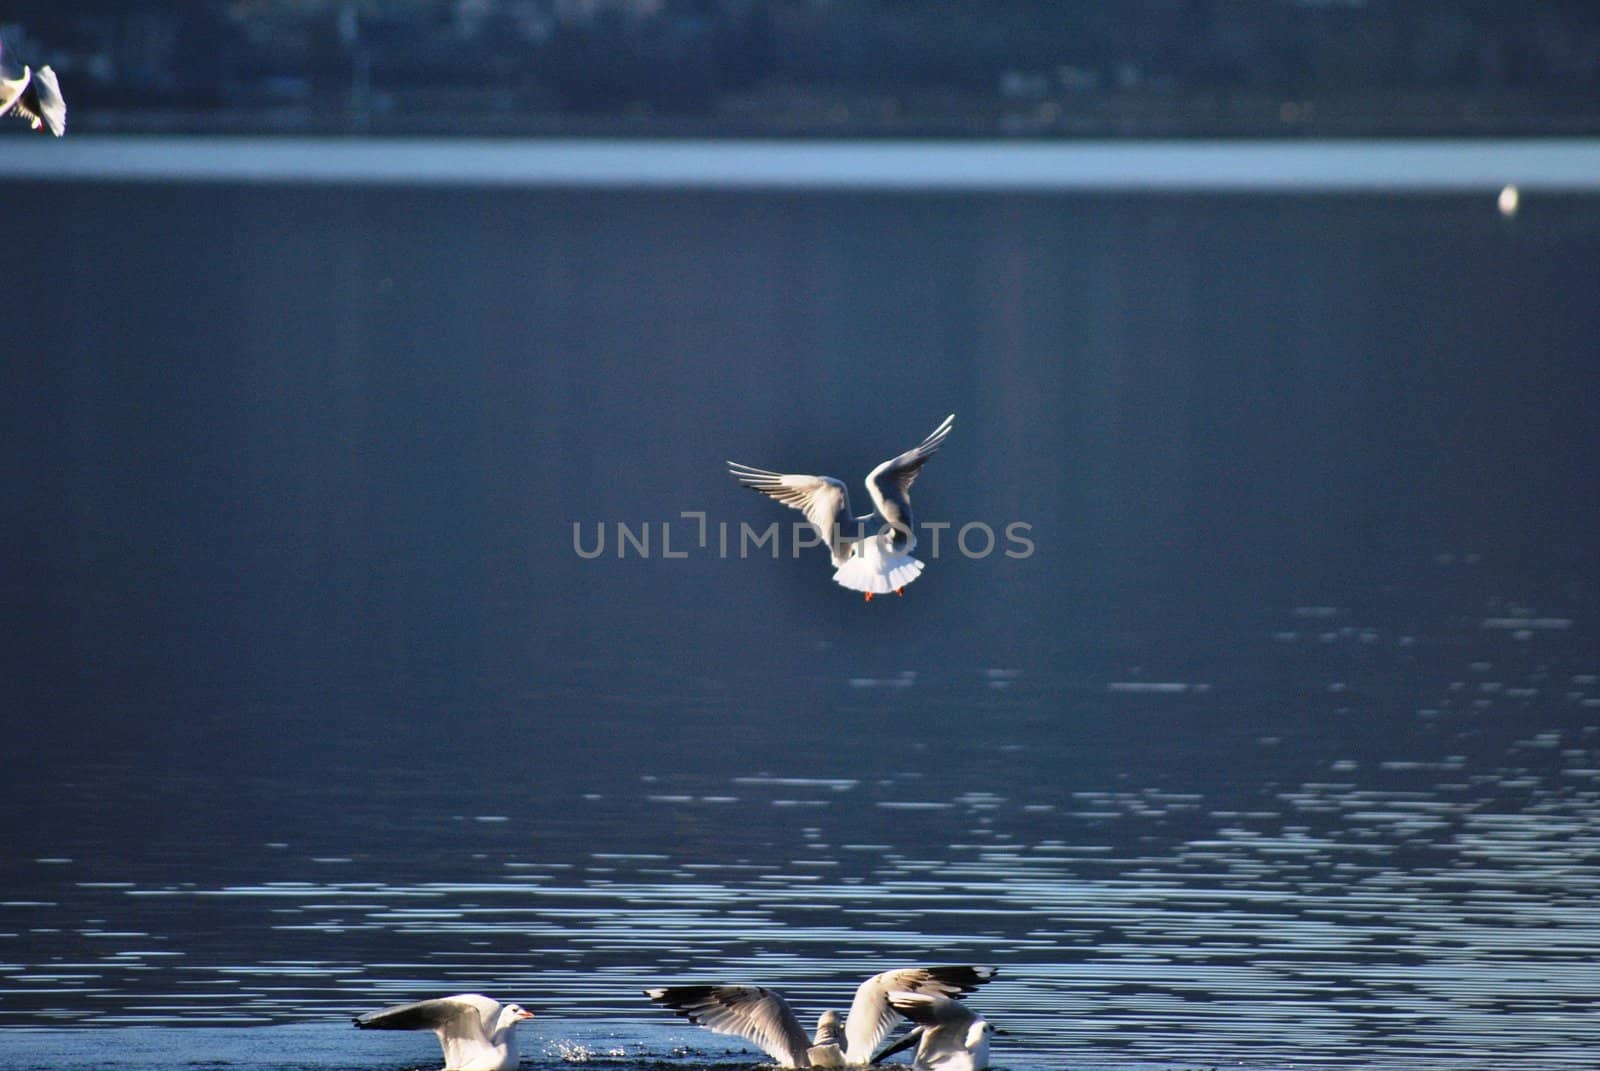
[
  {"x": 890, "y": 483},
  {"x": 824, "y": 500},
  {"x": 752, "y": 1012},
  {"x": 468, "y": 1010},
  {"x": 462, "y": 1024},
  {"x": 873, "y": 1016},
  {"x": 463, "y": 1015},
  {"x": 932, "y": 1010},
  {"x": 46, "y": 101},
  {"x": 909, "y": 1039}
]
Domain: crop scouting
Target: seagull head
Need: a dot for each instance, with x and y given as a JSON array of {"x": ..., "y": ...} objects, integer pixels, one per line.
[
  {"x": 512, "y": 1014},
  {"x": 828, "y": 1032}
]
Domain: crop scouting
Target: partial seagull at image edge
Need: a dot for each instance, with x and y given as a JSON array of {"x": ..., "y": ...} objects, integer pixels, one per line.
[{"x": 35, "y": 97}]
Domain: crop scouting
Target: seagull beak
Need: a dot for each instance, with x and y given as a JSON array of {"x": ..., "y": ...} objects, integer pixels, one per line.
[{"x": 525, "y": 1014}]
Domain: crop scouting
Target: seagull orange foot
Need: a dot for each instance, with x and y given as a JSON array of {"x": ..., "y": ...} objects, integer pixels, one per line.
[
  {"x": 869, "y": 596},
  {"x": 900, "y": 592}
]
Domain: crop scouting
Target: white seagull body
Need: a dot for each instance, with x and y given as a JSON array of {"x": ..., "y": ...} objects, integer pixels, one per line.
[
  {"x": 949, "y": 1035},
  {"x": 874, "y": 563},
  {"x": 476, "y": 1032},
  {"x": 762, "y": 1016}
]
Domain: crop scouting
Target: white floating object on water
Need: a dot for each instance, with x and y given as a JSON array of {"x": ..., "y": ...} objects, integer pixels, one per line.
[{"x": 1510, "y": 199}]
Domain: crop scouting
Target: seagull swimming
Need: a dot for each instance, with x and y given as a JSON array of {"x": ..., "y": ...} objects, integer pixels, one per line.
[
  {"x": 476, "y": 1032},
  {"x": 872, "y": 563},
  {"x": 949, "y": 1036},
  {"x": 762, "y": 1016},
  {"x": 36, "y": 97}
]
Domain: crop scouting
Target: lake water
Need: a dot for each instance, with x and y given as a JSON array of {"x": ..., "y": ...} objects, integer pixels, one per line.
[{"x": 1281, "y": 748}]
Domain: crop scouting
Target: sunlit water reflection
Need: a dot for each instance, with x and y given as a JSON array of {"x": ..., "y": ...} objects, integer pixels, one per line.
[{"x": 1341, "y": 843}]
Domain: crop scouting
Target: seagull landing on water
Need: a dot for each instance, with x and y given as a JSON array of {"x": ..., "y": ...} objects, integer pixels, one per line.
[
  {"x": 476, "y": 1032},
  {"x": 874, "y": 562},
  {"x": 762, "y": 1016},
  {"x": 949, "y": 1036}
]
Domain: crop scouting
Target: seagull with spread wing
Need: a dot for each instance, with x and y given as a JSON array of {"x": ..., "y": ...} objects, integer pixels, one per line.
[
  {"x": 763, "y": 1017},
  {"x": 949, "y": 1036},
  {"x": 477, "y": 1033},
  {"x": 872, "y": 562}
]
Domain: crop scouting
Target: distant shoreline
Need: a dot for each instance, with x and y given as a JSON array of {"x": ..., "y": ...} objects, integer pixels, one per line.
[{"x": 1283, "y": 166}]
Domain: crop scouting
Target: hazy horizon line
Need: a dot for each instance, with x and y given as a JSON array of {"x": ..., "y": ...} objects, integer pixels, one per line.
[{"x": 1455, "y": 165}]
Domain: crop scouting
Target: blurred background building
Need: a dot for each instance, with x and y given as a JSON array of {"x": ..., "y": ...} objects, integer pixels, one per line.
[{"x": 1029, "y": 68}]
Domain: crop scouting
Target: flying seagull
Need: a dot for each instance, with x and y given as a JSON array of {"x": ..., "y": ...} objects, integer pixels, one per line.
[
  {"x": 949, "y": 1036},
  {"x": 872, "y": 562},
  {"x": 762, "y": 1016},
  {"x": 476, "y": 1032},
  {"x": 36, "y": 97}
]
